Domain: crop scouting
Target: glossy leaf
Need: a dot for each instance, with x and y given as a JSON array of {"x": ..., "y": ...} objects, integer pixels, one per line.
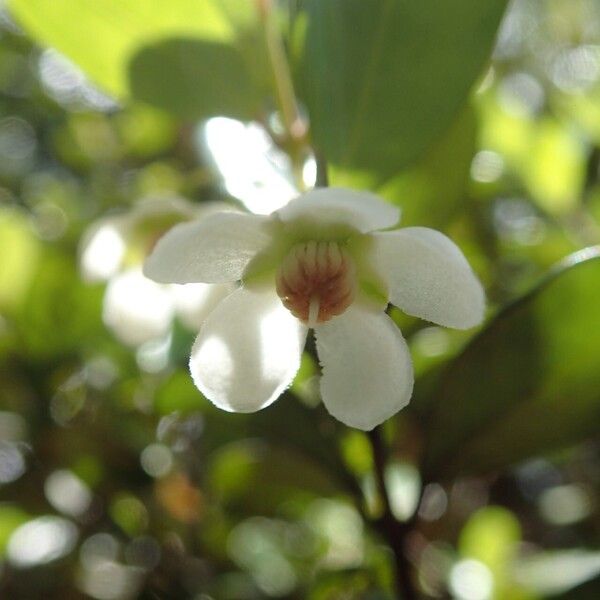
[
  {"x": 194, "y": 58},
  {"x": 528, "y": 384},
  {"x": 383, "y": 79},
  {"x": 187, "y": 86},
  {"x": 431, "y": 190}
]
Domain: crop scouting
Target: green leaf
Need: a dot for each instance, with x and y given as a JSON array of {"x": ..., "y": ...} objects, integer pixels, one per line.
[
  {"x": 431, "y": 191},
  {"x": 290, "y": 424},
  {"x": 59, "y": 311},
  {"x": 490, "y": 536},
  {"x": 11, "y": 517},
  {"x": 528, "y": 384},
  {"x": 179, "y": 394},
  {"x": 20, "y": 255},
  {"x": 179, "y": 76},
  {"x": 195, "y": 58},
  {"x": 258, "y": 476},
  {"x": 383, "y": 79}
]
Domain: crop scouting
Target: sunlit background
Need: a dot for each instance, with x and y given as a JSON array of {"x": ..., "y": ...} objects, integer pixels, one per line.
[{"x": 119, "y": 481}]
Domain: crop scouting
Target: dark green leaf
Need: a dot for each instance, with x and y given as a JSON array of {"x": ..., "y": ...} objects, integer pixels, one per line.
[
  {"x": 383, "y": 79},
  {"x": 259, "y": 477},
  {"x": 528, "y": 384},
  {"x": 194, "y": 79},
  {"x": 431, "y": 191}
]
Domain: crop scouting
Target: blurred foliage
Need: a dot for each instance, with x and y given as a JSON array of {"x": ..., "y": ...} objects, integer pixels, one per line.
[
  {"x": 215, "y": 60},
  {"x": 543, "y": 395},
  {"x": 118, "y": 480}
]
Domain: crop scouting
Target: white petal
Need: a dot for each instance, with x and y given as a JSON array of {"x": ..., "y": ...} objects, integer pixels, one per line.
[
  {"x": 254, "y": 170},
  {"x": 336, "y": 206},
  {"x": 429, "y": 277},
  {"x": 367, "y": 368},
  {"x": 212, "y": 250},
  {"x": 247, "y": 352},
  {"x": 195, "y": 301},
  {"x": 136, "y": 309}
]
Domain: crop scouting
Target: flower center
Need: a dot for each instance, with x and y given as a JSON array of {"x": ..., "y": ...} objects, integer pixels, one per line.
[{"x": 317, "y": 281}]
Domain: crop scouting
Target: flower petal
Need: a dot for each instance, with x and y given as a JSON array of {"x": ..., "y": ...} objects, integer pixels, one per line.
[
  {"x": 429, "y": 277},
  {"x": 336, "y": 206},
  {"x": 367, "y": 368},
  {"x": 195, "y": 301},
  {"x": 247, "y": 352},
  {"x": 136, "y": 309},
  {"x": 254, "y": 169},
  {"x": 213, "y": 250}
]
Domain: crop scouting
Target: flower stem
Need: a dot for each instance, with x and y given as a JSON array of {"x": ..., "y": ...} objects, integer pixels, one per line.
[
  {"x": 293, "y": 123},
  {"x": 322, "y": 175},
  {"x": 392, "y": 530}
]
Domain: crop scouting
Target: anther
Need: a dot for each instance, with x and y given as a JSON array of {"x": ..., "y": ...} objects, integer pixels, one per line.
[{"x": 317, "y": 281}]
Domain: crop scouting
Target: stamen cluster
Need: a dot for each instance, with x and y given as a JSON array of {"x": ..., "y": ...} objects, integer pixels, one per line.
[{"x": 316, "y": 281}]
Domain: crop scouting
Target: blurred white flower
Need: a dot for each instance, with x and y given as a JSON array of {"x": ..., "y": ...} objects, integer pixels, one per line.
[
  {"x": 319, "y": 262},
  {"x": 136, "y": 309},
  {"x": 253, "y": 168}
]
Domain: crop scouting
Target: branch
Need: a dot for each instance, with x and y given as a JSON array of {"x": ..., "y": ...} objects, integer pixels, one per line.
[{"x": 392, "y": 530}]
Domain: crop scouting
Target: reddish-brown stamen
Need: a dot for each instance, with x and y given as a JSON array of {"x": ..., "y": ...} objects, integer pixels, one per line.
[{"x": 317, "y": 281}]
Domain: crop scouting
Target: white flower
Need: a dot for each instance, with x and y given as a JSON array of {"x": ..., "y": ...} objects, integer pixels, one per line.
[
  {"x": 136, "y": 309},
  {"x": 254, "y": 170},
  {"x": 319, "y": 262}
]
